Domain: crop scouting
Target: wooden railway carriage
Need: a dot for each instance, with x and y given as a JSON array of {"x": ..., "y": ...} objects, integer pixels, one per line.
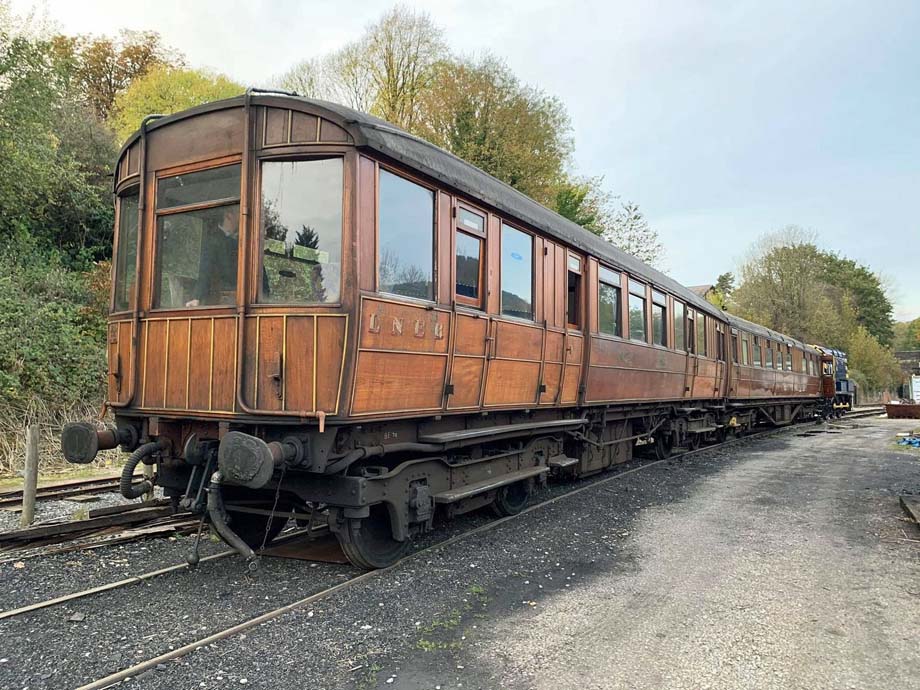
[{"x": 315, "y": 311}]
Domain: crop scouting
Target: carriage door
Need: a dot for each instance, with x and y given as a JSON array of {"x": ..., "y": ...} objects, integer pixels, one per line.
[{"x": 573, "y": 340}]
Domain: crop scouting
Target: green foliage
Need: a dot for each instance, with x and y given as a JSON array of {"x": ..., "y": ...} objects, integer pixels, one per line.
[
  {"x": 907, "y": 335},
  {"x": 794, "y": 287},
  {"x": 479, "y": 111},
  {"x": 721, "y": 291},
  {"x": 53, "y": 155},
  {"x": 52, "y": 324},
  {"x": 166, "y": 90}
]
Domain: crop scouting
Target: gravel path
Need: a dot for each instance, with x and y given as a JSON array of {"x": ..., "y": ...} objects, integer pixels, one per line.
[{"x": 775, "y": 563}]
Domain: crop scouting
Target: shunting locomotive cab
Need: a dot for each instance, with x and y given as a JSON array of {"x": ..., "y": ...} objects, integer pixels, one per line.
[{"x": 316, "y": 314}]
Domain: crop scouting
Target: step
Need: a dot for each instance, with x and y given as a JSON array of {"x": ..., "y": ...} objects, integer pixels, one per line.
[{"x": 458, "y": 494}]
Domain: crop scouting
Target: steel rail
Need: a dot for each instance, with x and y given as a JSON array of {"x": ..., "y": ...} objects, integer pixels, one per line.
[{"x": 187, "y": 649}]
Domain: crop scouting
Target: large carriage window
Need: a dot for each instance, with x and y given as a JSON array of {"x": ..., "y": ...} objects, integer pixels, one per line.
[
  {"x": 406, "y": 257},
  {"x": 701, "y": 334},
  {"x": 744, "y": 349},
  {"x": 517, "y": 273},
  {"x": 679, "y": 327},
  {"x": 757, "y": 359},
  {"x": 126, "y": 260},
  {"x": 198, "y": 229},
  {"x": 301, "y": 231},
  {"x": 768, "y": 356},
  {"x": 637, "y": 312},
  {"x": 659, "y": 318},
  {"x": 788, "y": 358},
  {"x": 608, "y": 298}
]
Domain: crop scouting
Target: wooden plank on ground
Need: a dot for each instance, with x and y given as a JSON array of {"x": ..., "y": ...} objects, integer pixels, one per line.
[{"x": 911, "y": 506}]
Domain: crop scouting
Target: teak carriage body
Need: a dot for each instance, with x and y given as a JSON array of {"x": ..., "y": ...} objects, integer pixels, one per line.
[{"x": 310, "y": 303}]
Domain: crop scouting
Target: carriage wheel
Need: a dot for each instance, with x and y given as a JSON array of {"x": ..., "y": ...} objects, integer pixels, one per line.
[
  {"x": 664, "y": 445},
  {"x": 511, "y": 498},
  {"x": 693, "y": 441},
  {"x": 255, "y": 529},
  {"x": 369, "y": 542}
]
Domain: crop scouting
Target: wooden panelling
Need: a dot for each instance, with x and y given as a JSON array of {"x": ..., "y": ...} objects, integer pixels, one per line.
[
  {"x": 303, "y": 128},
  {"x": 517, "y": 341},
  {"x": 298, "y": 365},
  {"x": 224, "y": 365},
  {"x": 330, "y": 132},
  {"x": 470, "y": 338},
  {"x": 154, "y": 369},
  {"x": 560, "y": 286},
  {"x": 202, "y": 137},
  {"x": 177, "y": 364},
  {"x": 121, "y": 360},
  {"x": 276, "y": 126},
  {"x": 622, "y": 370},
  {"x": 552, "y": 376},
  {"x": 403, "y": 327},
  {"x": 398, "y": 382},
  {"x": 269, "y": 363},
  {"x": 199, "y": 378},
  {"x": 445, "y": 249},
  {"x": 466, "y": 377},
  {"x": 509, "y": 382},
  {"x": 367, "y": 224},
  {"x": 331, "y": 338}
]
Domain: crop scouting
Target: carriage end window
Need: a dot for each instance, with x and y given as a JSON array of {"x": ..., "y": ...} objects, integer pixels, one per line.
[
  {"x": 406, "y": 222},
  {"x": 608, "y": 299},
  {"x": 517, "y": 273},
  {"x": 126, "y": 259},
  {"x": 301, "y": 231},
  {"x": 637, "y": 312},
  {"x": 197, "y": 238}
]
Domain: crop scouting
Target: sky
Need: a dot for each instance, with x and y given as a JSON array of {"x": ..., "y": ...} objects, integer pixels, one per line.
[{"x": 723, "y": 120}]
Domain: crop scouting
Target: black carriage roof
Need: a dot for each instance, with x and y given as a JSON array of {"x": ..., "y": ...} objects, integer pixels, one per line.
[
  {"x": 763, "y": 331},
  {"x": 421, "y": 155}
]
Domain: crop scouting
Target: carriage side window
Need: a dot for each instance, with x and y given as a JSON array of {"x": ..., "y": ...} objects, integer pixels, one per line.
[
  {"x": 197, "y": 238},
  {"x": 788, "y": 357},
  {"x": 701, "y": 334},
  {"x": 659, "y": 318},
  {"x": 517, "y": 273},
  {"x": 608, "y": 300},
  {"x": 720, "y": 342},
  {"x": 573, "y": 298},
  {"x": 405, "y": 263},
  {"x": 744, "y": 348},
  {"x": 680, "y": 328},
  {"x": 691, "y": 332},
  {"x": 803, "y": 358},
  {"x": 758, "y": 362},
  {"x": 768, "y": 356},
  {"x": 637, "y": 312},
  {"x": 126, "y": 259},
  {"x": 471, "y": 230},
  {"x": 301, "y": 231},
  {"x": 735, "y": 348}
]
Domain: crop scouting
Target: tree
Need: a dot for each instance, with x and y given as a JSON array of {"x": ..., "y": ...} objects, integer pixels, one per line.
[
  {"x": 864, "y": 287},
  {"x": 103, "y": 67},
  {"x": 907, "y": 335},
  {"x": 167, "y": 90},
  {"x": 385, "y": 72},
  {"x": 870, "y": 363},
  {"x": 480, "y": 112}
]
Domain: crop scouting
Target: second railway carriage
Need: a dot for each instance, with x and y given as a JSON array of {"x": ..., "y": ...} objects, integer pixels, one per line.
[{"x": 314, "y": 311}]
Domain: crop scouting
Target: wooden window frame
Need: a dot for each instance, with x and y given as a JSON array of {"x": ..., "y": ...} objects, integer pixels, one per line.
[
  {"x": 187, "y": 169},
  {"x": 579, "y": 297},
  {"x": 660, "y": 299},
  {"x": 474, "y": 302},
  {"x": 643, "y": 295},
  {"x": 435, "y": 244},
  {"x": 618, "y": 285},
  {"x": 690, "y": 332},
  {"x": 533, "y": 272}
]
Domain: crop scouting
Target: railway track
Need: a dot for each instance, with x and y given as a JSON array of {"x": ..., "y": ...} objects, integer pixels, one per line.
[
  {"x": 240, "y": 627},
  {"x": 80, "y": 487}
]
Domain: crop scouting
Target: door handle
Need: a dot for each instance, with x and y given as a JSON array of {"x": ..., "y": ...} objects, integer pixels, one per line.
[{"x": 277, "y": 377}]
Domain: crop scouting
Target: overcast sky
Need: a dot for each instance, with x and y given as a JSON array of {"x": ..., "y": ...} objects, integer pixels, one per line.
[{"x": 722, "y": 120}]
